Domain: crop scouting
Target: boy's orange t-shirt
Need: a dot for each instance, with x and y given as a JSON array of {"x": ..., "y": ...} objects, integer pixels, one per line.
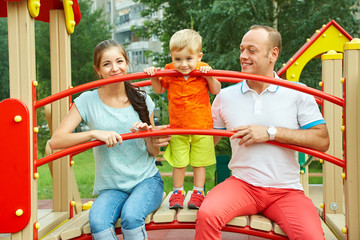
[{"x": 189, "y": 102}]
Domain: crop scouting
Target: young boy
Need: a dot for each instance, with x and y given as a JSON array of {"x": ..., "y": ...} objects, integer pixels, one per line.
[{"x": 189, "y": 107}]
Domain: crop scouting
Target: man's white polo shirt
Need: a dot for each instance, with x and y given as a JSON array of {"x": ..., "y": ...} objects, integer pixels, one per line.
[{"x": 264, "y": 164}]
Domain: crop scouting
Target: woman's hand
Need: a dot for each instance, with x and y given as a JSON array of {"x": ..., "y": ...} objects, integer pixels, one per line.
[
  {"x": 156, "y": 141},
  {"x": 140, "y": 126},
  {"x": 110, "y": 138}
]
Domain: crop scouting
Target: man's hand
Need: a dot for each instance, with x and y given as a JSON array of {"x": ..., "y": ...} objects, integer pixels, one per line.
[{"x": 251, "y": 134}]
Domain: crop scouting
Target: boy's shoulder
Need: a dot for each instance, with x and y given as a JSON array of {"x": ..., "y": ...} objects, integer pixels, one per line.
[
  {"x": 170, "y": 66},
  {"x": 199, "y": 64}
]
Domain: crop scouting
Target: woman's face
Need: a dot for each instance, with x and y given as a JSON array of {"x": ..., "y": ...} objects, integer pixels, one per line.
[{"x": 112, "y": 63}]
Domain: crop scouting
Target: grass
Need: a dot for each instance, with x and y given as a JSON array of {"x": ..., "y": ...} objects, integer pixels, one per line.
[
  {"x": 84, "y": 169},
  {"x": 188, "y": 182},
  {"x": 315, "y": 167}
]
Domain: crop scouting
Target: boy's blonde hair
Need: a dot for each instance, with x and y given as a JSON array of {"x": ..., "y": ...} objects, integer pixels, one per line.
[{"x": 186, "y": 38}]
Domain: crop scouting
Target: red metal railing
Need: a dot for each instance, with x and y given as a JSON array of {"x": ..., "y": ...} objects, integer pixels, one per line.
[
  {"x": 226, "y": 76},
  {"x": 224, "y": 133}
]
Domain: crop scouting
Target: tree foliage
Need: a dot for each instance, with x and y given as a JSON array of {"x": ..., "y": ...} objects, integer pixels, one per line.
[
  {"x": 222, "y": 24},
  {"x": 4, "y": 60}
]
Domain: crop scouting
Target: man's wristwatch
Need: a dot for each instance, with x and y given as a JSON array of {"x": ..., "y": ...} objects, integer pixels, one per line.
[{"x": 272, "y": 132}]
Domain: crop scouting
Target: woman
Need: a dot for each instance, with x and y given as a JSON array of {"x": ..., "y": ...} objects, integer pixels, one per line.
[{"x": 126, "y": 179}]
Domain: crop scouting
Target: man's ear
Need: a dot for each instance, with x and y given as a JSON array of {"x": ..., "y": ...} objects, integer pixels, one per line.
[{"x": 274, "y": 54}]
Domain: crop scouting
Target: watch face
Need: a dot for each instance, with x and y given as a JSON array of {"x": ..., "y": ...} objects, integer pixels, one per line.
[{"x": 272, "y": 130}]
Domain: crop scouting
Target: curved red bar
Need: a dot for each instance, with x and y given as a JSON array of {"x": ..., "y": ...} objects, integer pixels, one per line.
[
  {"x": 183, "y": 225},
  {"x": 228, "y": 76},
  {"x": 214, "y": 132}
]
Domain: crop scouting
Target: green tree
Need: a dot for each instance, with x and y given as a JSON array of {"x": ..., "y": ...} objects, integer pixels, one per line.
[
  {"x": 176, "y": 15},
  {"x": 4, "y": 60},
  {"x": 222, "y": 23}
]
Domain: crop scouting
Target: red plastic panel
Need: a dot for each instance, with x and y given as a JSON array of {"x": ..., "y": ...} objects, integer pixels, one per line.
[
  {"x": 15, "y": 165},
  {"x": 45, "y": 8}
]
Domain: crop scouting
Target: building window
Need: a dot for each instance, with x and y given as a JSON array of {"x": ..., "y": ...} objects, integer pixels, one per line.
[
  {"x": 123, "y": 37},
  {"x": 122, "y": 19},
  {"x": 108, "y": 7},
  {"x": 138, "y": 57}
]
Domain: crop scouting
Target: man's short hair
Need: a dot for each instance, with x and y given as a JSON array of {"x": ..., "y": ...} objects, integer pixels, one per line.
[
  {"x": 274, "y": 36},
  {"x": 186, "y": 38}
]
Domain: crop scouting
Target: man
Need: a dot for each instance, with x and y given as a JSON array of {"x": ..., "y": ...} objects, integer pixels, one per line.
[{"x": 265, "y": 177}]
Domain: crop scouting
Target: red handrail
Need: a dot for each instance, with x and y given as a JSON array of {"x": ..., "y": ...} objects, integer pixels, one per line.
[
  {"x": 224, "y": 133},
  {"x": 228, "y": 76}
]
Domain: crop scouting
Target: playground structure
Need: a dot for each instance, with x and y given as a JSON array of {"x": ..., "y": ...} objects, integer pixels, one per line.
[{"x": 20, "y": 218}]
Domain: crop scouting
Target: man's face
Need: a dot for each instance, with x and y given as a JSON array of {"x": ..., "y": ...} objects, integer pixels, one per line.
[{"x": 254, "y": 52}]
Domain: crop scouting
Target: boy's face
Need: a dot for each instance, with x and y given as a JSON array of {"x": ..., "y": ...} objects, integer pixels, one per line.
[{"x": 185, "y": 61}]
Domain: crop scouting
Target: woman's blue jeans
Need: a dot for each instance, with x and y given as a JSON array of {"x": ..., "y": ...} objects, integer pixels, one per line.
[{"x": 132, "y": 208}]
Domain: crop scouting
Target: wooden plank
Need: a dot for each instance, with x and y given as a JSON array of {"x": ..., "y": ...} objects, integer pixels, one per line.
[
  {"x": 304, "y": 179},
  {"x": 335, "y": 222},
  {"x": 333, "y": 183},
  {"x": 22, "y": 71},
  {"x": 150, "y": 216},
  {"x": 75, "y": 229},
  {"x": 51, "y": 221},
  {"x": 60, "y": 80},
  {"x": 164, "y": 213},
  {"x": 186, "y": 214},
  {"x": 278, "y": 230},
  {"x": 260, "y": 222},
  {"x": 5, "y": 236},
  {"x": 86, "y": 228},
  {"x": 352, "y": 181},
  {"x": 56, "y": 234},
  {"x": 169, "y": 174},
  {"x": 240, "y": 221},
  {"x": 316, "y": 174},
  {"x": 43, "y": 212}
]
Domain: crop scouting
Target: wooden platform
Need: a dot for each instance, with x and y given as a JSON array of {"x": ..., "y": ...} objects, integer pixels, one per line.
[{"x": 165, "y": 218}]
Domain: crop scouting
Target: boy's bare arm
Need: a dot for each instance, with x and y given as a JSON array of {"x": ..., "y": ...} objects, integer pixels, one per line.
[
  {"x": 214, "y": 84},
  {"x": 156, "y": 85},
  {"x": 155, "y": 81}
]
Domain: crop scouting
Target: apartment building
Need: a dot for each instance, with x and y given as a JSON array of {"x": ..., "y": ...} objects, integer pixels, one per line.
[{"x": 122, "y": 14}]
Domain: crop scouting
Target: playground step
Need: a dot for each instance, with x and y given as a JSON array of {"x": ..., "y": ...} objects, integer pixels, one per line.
[
  {"x": 50, "y": 220},
  {"x": 71, "y": 228},
  {"x": 164, "y": 214},
  {"x": 186, "y": 214}
]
